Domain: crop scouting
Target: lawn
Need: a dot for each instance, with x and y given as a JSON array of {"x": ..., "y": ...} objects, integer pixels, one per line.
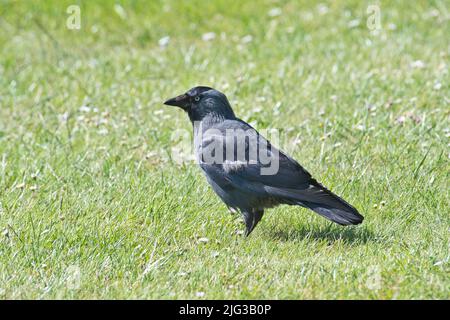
[{"x": 100, "y": 199}]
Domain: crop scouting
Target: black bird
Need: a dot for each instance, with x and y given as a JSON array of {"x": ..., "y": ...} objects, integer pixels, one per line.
[{"x": 239, "y": 180}]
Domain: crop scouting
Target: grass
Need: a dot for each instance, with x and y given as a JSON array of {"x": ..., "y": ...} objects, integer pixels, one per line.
[{"x": 93, "y": 204}]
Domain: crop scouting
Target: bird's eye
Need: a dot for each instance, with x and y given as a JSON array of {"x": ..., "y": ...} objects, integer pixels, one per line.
[{"x": 197, "y": 99}]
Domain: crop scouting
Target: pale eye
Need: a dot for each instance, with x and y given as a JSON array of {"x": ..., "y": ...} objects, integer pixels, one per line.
[{"x": 197, "y": 99}]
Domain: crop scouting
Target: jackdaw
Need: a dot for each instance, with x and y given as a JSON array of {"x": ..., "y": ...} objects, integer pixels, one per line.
[{"x": 245, "y": 170}]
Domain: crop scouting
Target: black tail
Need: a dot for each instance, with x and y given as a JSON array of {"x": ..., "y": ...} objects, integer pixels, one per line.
[
  {"x": 322, "y": 201},
  {"x": 331, "y": 206}
]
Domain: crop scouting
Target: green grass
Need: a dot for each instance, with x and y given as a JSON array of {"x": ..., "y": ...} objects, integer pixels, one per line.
[{"x": 92, "y": 204}]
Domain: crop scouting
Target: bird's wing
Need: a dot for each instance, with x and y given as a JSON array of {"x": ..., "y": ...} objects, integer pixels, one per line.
[{"x": 287, "y": 172}]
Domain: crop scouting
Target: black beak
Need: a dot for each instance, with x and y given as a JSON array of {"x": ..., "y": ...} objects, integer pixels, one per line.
[{"x": 181, "y": 101}]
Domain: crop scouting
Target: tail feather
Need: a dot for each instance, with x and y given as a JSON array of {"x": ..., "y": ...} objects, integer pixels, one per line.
[
  {"x": 333, "y": 207},
  {"x": 322, "y": 201},
  {"x": 339, "y": 216}
]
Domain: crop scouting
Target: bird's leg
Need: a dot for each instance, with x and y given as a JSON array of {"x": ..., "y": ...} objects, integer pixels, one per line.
[{"x": 251, "y": 219}]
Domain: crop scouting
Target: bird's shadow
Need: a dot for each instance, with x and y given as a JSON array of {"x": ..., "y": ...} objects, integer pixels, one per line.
[{"x": 330, "y": 233}]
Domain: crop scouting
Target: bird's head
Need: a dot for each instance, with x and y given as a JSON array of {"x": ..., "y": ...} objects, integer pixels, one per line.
[{"x": 200, "y": 102}]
